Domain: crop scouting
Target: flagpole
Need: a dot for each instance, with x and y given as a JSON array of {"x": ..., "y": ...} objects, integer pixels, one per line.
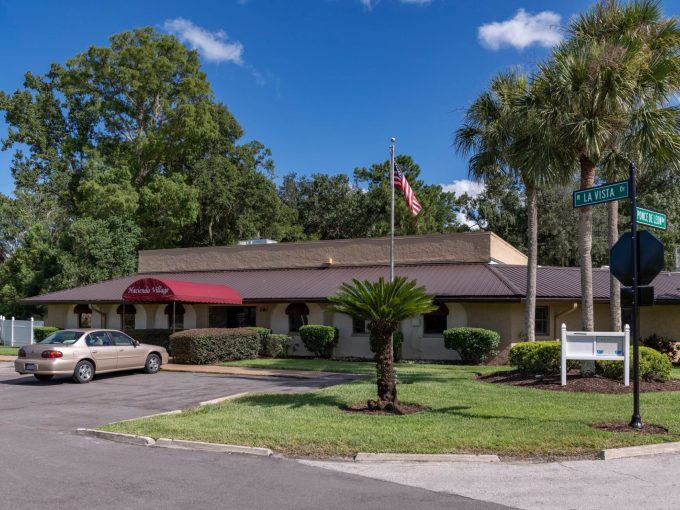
[{"x": 392, "y": 209}]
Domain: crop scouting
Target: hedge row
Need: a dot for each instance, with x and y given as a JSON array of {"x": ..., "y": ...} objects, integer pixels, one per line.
[
  {"x": 271, "y": 345},
  {"x": 205, "y": 346},
  {"x": 545, "y": 358},
  {"x": 160, "y": 337},
  {"x": 320, "y": 340},
  {"x": 474, "y": 345},
  {"x": 42, "y": 332}
]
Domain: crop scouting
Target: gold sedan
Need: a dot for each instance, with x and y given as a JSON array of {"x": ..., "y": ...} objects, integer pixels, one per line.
[{"x": 82, "y": 352}]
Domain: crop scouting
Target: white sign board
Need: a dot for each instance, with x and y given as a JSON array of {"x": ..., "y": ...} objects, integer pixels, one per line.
[{"x": 596, "y": 346}]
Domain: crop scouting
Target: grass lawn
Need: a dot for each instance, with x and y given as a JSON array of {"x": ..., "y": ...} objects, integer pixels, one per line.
[
  {"x": 8, "y": 351},
  {"x": 351, "y": 367},
  {"x": 466, "y": 416}
]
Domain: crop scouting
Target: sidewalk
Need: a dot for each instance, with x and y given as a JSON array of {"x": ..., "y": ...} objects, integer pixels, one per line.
[
  {"x": 641, "y": 482},
  {"x": 7, "y": 358}
]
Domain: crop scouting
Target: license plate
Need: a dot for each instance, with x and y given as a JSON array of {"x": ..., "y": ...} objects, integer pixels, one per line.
[{"x": 30, "y": 366}]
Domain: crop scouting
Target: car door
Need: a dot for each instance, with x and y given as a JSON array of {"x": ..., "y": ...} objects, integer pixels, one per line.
[
  {"x": 102, "y": 350},
  {"x": 129, "y": 355}
]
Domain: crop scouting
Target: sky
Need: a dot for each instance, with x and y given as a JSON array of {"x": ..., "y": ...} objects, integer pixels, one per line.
[{"x": 323, "y": 83}]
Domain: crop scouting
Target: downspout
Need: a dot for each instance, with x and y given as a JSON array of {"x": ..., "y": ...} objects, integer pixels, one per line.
[{"x": 574, "y": 307}]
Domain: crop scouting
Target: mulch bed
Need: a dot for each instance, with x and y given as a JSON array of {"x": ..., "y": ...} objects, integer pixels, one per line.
[
  {"x": 624, "y": 427},
  {"x": 403, "y": 407},
  {"x": 576, "y": 382}
]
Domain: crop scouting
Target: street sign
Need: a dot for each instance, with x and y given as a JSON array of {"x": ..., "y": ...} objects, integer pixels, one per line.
[
  {"x": 650, "y": 261},
  {"x": 600, "y": 194},
  {"x": 651, "y": 218}
]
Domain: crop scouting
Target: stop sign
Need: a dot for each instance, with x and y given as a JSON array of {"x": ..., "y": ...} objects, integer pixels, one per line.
[{"x": 650, "y": 258}]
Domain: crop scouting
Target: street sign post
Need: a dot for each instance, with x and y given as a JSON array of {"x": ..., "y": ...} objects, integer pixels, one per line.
[
  {"x": 600, "y": 194},
  {"x": 651, "y": 218}
]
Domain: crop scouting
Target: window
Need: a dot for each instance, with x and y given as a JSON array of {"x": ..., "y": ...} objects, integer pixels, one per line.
[
  {"x": 84, "y": 313},
  {"x": 126, "y": 316},
  {"x": 84, "y": 320},
  {"x": 175, "y": 313},
  {"x": 121, "y": 339},
  {"x": 231, "y": 316},
  {"x": 298, "y": 314},
  {"x": 98, "y": 339},
  {"x": 435, "y": 322},
  {"x": 542, "y": 321},
  {"x": 358, "y": 326}
]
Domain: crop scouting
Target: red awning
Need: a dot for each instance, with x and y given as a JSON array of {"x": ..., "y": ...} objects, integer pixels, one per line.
[
  {"x": 154, "y": 290},
  {"x": 297, "y": 309}
]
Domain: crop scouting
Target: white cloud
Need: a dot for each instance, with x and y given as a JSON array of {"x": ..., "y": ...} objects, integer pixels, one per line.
[
  {"x": 523, "y": 30},
  {"x": 212, "y": 46},
  {"x": 462, "y": 186}
]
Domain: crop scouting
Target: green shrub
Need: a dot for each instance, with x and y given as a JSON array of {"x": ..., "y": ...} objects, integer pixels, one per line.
[
  {"x": 539, "y": 357},
  {"x": 654, "y": 366},
  {"x": 160, "y": 337},
  {"x": 205, "y": 346},
  {"x": 474, "y": 345},
  {"x": 319, "y": 340},
  {"x": 42, "y": 332},
  {"x": 264, "y": 334},
  {"x": 275, "y": 346},
  {"x": 397, "y": 342},
  {"x": 663, "y": 344}
]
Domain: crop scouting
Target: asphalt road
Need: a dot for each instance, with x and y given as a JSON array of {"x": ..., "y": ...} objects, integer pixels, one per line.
[{"x": 43, "y": 464}]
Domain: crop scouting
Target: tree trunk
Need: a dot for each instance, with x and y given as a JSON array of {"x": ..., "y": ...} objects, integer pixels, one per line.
[
  {"x": 532, "y": 256},
  {"x": 384, "y": 363},
  {"x": 585, "y": 248},
  {"x": 614, "y": 286}
]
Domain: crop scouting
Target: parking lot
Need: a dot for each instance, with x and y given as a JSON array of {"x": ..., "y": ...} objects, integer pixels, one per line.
[{"x": 45, "y": 465}]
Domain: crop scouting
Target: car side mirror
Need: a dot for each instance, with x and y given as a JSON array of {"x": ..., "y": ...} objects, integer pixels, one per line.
[{"x": 136, "y": 343}]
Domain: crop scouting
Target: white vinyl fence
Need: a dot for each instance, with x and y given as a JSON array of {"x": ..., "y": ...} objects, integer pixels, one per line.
[{"x": 16, "y": 333}]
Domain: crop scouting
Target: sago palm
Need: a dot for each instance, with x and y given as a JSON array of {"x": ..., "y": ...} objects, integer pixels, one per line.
[{"x": 383, "y": 305}]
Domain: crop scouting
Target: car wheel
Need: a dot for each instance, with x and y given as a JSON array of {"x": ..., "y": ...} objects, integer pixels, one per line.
[
  {"x": 153, "y": 364},
  {"x": 84, "y": 372},
  {"x": 43, "y": 377}
]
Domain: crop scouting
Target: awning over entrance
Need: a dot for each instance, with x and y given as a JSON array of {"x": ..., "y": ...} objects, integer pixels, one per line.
[{"x": 155, "y": 290}]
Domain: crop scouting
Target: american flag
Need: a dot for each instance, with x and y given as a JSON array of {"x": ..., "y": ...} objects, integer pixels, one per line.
[{"x": 401, "y": 183}]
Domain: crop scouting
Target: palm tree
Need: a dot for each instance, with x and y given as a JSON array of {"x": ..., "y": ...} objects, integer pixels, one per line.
[
  {"x": 500, "y": 135},
  {"x": 605, "y": 91},
  {"x": 384, "y": 305}
]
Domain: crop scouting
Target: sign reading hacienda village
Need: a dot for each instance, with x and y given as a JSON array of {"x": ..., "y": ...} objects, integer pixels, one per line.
[{"x": 146, "y": 289}]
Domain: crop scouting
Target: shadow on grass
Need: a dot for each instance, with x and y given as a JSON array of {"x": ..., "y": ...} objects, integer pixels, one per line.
[{"x": 292, "y": 401}]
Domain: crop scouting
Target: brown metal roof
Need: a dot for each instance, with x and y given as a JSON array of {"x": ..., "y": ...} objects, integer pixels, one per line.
[{"x": 494, "y": 282}]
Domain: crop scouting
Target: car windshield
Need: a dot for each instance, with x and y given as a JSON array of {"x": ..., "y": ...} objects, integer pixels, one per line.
[{"x": 63, "y": 337}]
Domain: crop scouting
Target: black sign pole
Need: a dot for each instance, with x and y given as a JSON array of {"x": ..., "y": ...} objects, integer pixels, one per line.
[{"x": 636, "y": 420}]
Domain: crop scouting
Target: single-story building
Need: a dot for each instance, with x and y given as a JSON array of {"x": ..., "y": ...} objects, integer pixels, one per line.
[{"x": 477, "y": 278}]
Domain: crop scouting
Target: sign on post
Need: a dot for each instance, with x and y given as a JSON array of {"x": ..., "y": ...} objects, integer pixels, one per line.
[
  {"x": 651, "y": 218},
  {"x": 596, "y": 346},
  {"x": 600, "y": 194}
]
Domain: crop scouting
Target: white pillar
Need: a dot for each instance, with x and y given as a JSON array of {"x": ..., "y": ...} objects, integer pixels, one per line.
[
  {"x": 32, "y": 321},
  {"x": 626, "y": 356},
  {"x": 11, "y": 335}
]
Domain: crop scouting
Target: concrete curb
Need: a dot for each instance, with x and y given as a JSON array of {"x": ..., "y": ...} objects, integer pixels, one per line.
[
  {"x": 117, "y": 437},
  {"x": 639, "y": 451},
  {"x": 211, "y": 447},
  {"x": 223, "y": 399},
  {"x": 167, "y": 413},
  {"x": 416, "y": 457}
]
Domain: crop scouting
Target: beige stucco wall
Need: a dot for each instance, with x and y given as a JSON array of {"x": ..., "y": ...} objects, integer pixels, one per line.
[{"x": 458, "y": 247}]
